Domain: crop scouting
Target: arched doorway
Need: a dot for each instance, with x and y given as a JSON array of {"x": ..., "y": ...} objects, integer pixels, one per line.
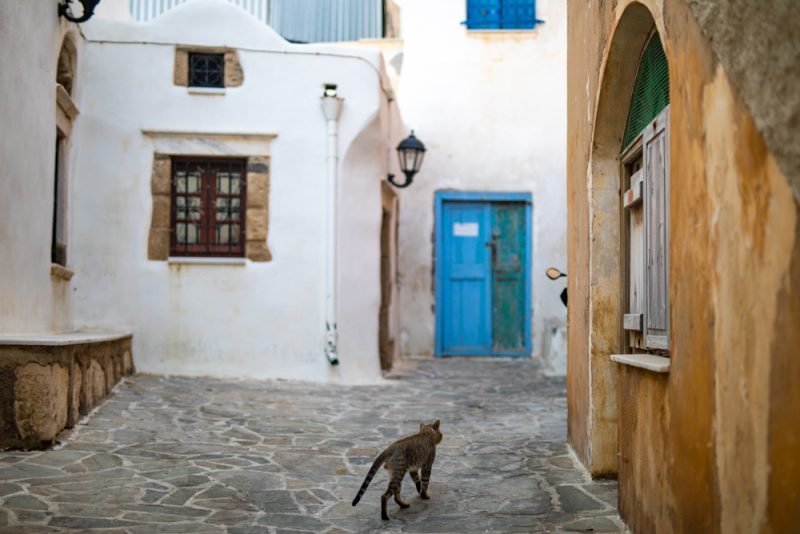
[{"x": 613, "y": 163}]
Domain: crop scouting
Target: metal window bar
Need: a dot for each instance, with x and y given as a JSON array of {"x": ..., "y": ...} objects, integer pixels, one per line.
[{"x": 206, "y": 70}]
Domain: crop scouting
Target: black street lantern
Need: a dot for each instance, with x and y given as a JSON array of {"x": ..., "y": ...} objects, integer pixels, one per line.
[
  {"x": 65, "y": 11},
  {"x": 411, "y": 152}
]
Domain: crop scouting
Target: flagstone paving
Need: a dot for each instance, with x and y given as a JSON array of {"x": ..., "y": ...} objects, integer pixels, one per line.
[{"x": 167, "y": 454}]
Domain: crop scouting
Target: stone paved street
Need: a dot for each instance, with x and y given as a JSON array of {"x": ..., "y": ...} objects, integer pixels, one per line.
[{"x": 207, "y": 455}]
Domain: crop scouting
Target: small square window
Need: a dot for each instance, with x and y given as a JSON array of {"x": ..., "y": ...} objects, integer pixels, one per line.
[{"x": 206, "y": 70}]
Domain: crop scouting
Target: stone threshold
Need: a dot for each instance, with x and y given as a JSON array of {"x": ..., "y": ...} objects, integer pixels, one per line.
[{"x": 61, "y": 339}]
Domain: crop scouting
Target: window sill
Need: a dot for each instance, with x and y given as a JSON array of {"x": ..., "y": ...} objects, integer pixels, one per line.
[
  {"x": 208, "y": 91},
  {"x": 650, "y": 362},
  {"x": 198, "y": 260},
  {"x": 61, "y": 272},
  {"x": 500, "y": 32}
]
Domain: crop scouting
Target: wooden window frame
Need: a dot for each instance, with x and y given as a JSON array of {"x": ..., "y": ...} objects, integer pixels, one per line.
[
  {"x": 639, "y": 334},
  {"x": 208, "y": 194},
  {"x": 66, "y": 112}
]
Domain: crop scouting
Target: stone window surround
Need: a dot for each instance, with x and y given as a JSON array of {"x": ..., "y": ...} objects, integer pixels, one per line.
[
  {"x": 253, "y": 146},
  {"x": 233, "y": 77},
  {"x": 66, "y": 113}
]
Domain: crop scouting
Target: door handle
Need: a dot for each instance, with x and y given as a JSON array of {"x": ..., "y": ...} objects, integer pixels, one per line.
[{"x": 493, "y": 245}]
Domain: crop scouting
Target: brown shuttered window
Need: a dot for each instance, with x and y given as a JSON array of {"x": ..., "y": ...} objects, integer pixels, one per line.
[{"x": 207, "y": 212}]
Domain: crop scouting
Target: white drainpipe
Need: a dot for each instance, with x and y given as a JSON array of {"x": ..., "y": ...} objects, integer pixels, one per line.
[{"x": 332, "y": 108}]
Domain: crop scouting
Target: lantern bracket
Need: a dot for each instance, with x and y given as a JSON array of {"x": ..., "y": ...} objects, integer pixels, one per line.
[{"x": 88, "y": 10}]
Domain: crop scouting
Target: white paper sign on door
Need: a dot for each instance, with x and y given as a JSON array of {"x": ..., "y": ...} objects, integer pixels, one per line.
[{"x": 469, "y": 229}]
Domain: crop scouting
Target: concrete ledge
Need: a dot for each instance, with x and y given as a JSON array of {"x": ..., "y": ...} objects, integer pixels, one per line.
[
  {"x": 209, "y": 91},
  {"x": 47, "y": 382},
  {"x": 61, "y": 339},
  {"x": 651, "y": 362}
]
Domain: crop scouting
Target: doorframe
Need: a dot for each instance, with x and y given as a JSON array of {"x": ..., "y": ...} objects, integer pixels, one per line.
[{"x": 440, "y": 197}]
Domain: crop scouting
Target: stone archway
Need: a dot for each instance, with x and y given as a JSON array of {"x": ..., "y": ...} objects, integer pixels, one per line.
[{"x": 618, "y": 76}]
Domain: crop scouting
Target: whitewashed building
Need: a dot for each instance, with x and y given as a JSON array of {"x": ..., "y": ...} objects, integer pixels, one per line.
[
  {"x": 483, "y": 84},
  {"x": 197, "y": 176},
  {"x": 211, "y": 202},
  {"x": 206, "y": 181}
]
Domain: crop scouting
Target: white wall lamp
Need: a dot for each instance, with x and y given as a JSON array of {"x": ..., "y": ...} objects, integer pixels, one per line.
[
  {"x": 64, "y": 10},
  {"x": 411, "y": 152},
  {"x": 331, "y": 108}
]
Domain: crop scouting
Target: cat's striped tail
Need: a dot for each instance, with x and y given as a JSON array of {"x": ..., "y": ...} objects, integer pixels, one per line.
[{"x": 372, "y": 470}]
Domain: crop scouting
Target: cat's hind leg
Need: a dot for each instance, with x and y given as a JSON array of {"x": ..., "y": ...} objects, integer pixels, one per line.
[
  {"x": 415, "y": 478},
  {"x": 395, "y": 479},
  {"x": 397, "y": 498}
]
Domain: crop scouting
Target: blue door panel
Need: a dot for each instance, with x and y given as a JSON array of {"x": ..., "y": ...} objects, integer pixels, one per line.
[
  {"x": 467, "y": 278},
  {"x": 508, "y": 278}
]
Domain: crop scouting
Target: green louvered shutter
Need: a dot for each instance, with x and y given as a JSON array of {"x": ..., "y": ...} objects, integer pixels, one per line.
[{"x": 650, "y": 92}]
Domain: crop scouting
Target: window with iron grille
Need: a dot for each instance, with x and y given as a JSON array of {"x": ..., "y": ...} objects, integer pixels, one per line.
[
  {"x": 208, "y": 200},
  {"x": 206, "y": 70},
  {"x": 501, "y": 14}
]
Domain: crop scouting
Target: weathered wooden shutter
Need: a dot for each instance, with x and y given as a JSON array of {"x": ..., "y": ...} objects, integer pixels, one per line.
[
  {"x": 632, "y": 200},
  {"x": 655, "y": 146}
]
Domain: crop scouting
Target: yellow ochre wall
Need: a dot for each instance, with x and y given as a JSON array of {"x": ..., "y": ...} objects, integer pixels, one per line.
[{"x": 714, "y": 445}]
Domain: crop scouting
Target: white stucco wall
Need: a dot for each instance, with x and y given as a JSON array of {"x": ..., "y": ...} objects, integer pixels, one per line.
[
  {"x": 491, "y": 110},
  {"x": 256, "y": 319},
  {"x": 31, "y": 35}
]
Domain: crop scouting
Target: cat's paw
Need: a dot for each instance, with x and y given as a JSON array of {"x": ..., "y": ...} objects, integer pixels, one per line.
[{"x": 424, "y": 496}]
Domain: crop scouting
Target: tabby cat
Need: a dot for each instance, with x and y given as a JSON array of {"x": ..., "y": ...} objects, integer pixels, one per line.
[{"x": 408, "y": 454}]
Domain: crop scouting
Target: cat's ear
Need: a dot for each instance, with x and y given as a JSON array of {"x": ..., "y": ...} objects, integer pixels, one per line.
[
  {"x": 421, "y": 426},
  {"x": 435, "y": 425}
]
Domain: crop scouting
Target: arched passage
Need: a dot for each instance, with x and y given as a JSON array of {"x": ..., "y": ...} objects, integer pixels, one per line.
[{"x": 606, "y": 252}]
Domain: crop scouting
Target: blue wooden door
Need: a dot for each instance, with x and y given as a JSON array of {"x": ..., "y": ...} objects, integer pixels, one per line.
[
  {"x": 483, "y": 289},
  {"x": 466, "y": 307}
]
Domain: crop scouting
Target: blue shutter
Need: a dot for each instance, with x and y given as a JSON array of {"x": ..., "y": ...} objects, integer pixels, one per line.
[
  {"x": 501, "y": 14},
  {"x": 518, "y": 14},
  {"x": 483, "y": 14}
]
